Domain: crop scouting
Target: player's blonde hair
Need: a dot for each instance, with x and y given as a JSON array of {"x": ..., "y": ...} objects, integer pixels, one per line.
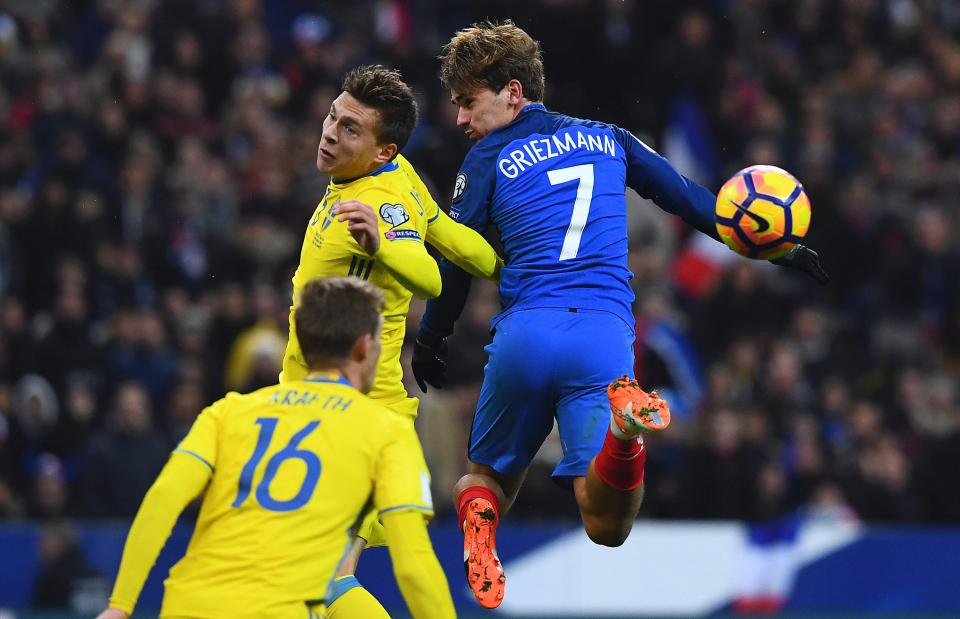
[
  {"x": 333, "y": 313},
  {"x": 489, "y": 55}
]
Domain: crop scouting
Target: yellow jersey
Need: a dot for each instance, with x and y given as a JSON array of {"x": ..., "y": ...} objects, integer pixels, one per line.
[
  {"x": 406, "y": 215},
  {"x": 294, "y": 467}
]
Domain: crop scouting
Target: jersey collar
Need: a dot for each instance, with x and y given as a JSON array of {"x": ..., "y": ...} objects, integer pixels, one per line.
[
  {"x": 328, "y": 377},
  {"x": 389, "y": 166}
]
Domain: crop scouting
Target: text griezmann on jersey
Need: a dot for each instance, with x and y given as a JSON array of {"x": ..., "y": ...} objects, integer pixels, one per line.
[{"x": 537, "y": 149}]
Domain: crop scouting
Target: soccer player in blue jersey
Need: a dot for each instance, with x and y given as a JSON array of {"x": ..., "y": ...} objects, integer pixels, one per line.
[{"x": 554, "y": 188}]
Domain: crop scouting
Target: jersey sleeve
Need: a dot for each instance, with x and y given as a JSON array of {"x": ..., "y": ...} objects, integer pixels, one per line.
[
  {"x": 419, "y": 575},
  {"x": 402, "y": 251},
  {"x": 464, "y": 247},
  {"x": 401, "y": 481},
  {"x": 655, "y": 178},
  {"x": 180, "y": 481},
  {"x": 202, "y": 442},
  {"x": 472, "y": 194},
  {"x": 473, "y": 190}
]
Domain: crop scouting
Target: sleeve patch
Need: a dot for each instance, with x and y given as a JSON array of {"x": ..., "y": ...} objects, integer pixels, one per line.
[
  {"x": 395, "y": 235},
  {"x": 394, "y": 214},
  {"x": 459, "y": 186}
]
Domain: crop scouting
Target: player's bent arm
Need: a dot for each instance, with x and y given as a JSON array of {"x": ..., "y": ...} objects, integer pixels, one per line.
[
  {"x": 181, "y": 480},
  {"x": 443, "y": 312},
  {"x": 293, "y": 367},
  {"x": 464, "y": 247},
  {"x": 419, "y": 575},
  {"x": 409, "y": 263}
]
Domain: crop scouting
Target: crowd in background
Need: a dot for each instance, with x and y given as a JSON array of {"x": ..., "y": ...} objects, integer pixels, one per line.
[{"x": 157, "y": 170}]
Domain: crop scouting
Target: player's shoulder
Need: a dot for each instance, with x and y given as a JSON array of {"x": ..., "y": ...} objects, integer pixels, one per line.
[
  {"x": 395, "y": 184},
  {"x": 564, "y": 121},
  {"x": 230, "y": 400},
  {"x": 387, "y": 180},
  {"x": 381, "y": 424}
]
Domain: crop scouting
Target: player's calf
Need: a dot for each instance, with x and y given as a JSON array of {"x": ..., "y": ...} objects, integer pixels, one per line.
[{"x": 610, "y": 494}]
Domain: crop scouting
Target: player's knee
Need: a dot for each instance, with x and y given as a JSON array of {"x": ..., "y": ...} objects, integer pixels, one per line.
[{"x": 612, "y": 534}]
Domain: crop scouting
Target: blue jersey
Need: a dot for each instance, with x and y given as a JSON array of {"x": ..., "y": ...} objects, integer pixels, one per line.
[{"x": 554, "y": 186}]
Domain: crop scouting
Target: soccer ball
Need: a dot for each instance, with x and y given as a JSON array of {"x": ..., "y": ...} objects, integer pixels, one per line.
[{"x": 762, "y": 212}]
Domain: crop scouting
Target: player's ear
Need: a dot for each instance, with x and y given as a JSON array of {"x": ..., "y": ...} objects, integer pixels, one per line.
[
  {"x": 387, "y": 152},
  {"x": 514, "y": 92},
  {"x": 362, "y": 348}
]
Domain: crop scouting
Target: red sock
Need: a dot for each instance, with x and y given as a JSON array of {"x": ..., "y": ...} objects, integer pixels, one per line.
[
  {"x": 476, "y": 492},
  {"x": 620, "y": 462}
]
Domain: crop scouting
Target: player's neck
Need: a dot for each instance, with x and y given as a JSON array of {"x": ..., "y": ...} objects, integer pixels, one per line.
[
  {"x": 351, "y": 372},
  {"x": 373, "y": 167},
  {"x": 523, "y": 103}
]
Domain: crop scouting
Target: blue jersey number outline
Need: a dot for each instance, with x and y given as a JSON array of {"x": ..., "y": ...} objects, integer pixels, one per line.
[{"x": 267, "y": 427}]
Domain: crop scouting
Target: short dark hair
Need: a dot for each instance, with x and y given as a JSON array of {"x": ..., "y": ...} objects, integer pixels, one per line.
[
  {"x": 385, "y": 91},
  {"x": 490, "y": 54},
  {"x": 333, "y": 313}
]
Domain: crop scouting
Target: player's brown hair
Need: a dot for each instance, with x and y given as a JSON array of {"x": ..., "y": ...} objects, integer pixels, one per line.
[
  {"x": 489, "y": 55},
  {"x": 384, "y": 90},
  {"x": 334, "y": 312}
]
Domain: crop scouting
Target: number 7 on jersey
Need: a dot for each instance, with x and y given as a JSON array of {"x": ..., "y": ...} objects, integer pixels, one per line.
[{"x": 581, "y": 206}]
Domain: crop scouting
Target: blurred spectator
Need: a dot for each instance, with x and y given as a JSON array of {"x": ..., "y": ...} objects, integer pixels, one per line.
[
  {"x": 50, "y": 495},
  {"x": 140, "y": 353},
  {"x": 255, "y": 359},
  {"x": 66, "y": 580},
  {"x": 123, "y": 461}
]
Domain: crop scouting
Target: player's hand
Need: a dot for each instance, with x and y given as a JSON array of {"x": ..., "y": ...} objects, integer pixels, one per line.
[
  {"x": 803, "y": 258},
  {"x": 430, "y": 361},
  {"x": 361, "y": 222},
  {"x": 113, "y": 613}
]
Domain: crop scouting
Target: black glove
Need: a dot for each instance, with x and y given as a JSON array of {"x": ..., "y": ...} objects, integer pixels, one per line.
[
  {"x": 803, "y": 258},
  {"x": 430, "y": 360}
]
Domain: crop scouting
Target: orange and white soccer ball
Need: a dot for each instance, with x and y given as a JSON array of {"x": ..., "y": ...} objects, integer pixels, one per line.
[{"x": 762, "y": 212}]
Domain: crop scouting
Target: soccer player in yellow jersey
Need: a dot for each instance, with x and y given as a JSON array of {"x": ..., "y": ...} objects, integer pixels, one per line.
[
  {"x": 375, "y": 216},
  {"x": 288, "y": 471},
  {"x": 371, "y": 224}
]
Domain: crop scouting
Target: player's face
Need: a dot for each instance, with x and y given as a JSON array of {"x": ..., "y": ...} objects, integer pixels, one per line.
[
  {"x": 348, "y": 147},
  {"x": 482, "y": 110},
  {"x": 368, "y": 371}
]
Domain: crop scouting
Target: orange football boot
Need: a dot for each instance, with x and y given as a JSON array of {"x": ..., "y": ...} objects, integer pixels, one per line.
[
  {"x": 480, "y": 560},
  {"x": 634, "y": 410}
]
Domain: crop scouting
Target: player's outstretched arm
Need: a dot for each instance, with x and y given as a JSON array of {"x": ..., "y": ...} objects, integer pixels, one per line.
[
  {"x": 464, "y": 247},
  {"x": 655, "y": 178},
  {"x": 419, "y": 575},
  {"x": 400, "y": 252},
  {"x": 181, "y": 480}
]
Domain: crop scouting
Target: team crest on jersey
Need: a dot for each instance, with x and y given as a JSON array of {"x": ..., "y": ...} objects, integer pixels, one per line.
[
  {"x": 459, "y": 186},
  {"x": 394, "y": 214}
]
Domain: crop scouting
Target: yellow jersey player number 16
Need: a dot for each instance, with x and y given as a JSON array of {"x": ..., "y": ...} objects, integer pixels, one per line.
[{"x": 289, "y": 472}]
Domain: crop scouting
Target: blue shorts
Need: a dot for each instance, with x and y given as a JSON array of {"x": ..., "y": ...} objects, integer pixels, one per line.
[{"x": 547, "y": 364}]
